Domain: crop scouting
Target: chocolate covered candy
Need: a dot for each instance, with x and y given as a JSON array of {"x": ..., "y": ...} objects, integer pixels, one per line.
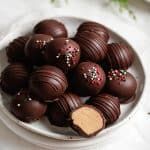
[
  {"x": 26, "y": 108},
  {"x": 121, "y": 84},
  {"x": 87, "y": 121},
  {"x": 14, "y": 77},
  {"x": 51, "y": 27},
  {"x": 48, "y": 83},
  {"x": 108, "y": 105},
  {"x": 59, "y": 110},
  {"x": 35, "y": 47},
  {"x": 15, "y": 50},
  {"x": 119, "y": 56},
  {"x": 93, "y": 47},
  {"x": 96, "y": 28},
  {"x": 89, "y": 78},
  {"x": 64, "y": 53}
]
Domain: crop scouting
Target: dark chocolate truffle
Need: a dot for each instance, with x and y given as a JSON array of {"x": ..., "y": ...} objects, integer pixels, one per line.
[
  {"x": 15, "y": 50},
  {"x": 119, "y": 56},
  {"x": 48, "y": 83},
  {"x": 89, "y": 78},
  {"x": 35, "y": 47},
  {"x": 93, "y": 47},
  {"x": 26, "y": 108},
  {"x": 59, "y": 110},
  {"x": 95, "y": 27},
  {"x": 121, "y": 84},
  {"x": 87, "y": 121},
  {"x": 108, "y": 105},
  {"x": 14, "y": 77},
  {"x": 64, "y": 53},
  {"x": 51, "y": 27}
]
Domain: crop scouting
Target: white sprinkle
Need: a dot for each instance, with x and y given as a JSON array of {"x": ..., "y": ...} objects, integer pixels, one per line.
[
  {"x": 18, "y": 93},
  {"x": 18, "y": 105},
  {"x": 67, "y": 40},
  {"x": 29, "y": 99}
]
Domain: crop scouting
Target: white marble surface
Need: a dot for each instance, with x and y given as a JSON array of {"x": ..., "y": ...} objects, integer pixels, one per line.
[{"x": 133, "y": 136}]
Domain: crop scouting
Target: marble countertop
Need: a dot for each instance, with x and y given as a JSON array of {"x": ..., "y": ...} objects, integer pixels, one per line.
[{"x": 138, "y": 135}]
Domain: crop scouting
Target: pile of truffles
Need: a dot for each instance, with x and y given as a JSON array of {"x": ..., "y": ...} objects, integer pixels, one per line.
[{"x": 49, "y": 73}]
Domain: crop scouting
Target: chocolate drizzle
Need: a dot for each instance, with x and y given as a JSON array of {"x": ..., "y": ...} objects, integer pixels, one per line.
[{"x": 47, "y": 83}]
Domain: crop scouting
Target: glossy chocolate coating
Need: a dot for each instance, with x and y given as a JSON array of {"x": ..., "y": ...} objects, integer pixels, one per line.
[
  {"x": 108, "y": 105},
  {"x": 64, "y": 53},
  {"x": 121, "y": 84},
  {"x": 51, "y": 27},
  {"x": 119, "y": 56},
  {"x": 14, "y": 77},
  {"x": 15, "y": 50},
  {"x": 58, "y": 111},
  {"x": 89, "y": 78},
  {"x": 93, "y": 47},
  {"x": 48, "y": 83},
  {"x": 95, "y": 27},
  {"x": 35, "y": 48},
  {"x": 26, "y": 108}
]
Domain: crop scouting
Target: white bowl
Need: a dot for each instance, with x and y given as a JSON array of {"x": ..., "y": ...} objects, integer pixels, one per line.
[{"x": 42, "y": 126}]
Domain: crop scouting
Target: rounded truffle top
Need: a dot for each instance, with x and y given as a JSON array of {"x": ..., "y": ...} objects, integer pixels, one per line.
[
  {"x": 47, "y": 83},
  {"x": 14, "y": 77},
  {"x": 51, "y": 27},
  {"x": 121, "y": 84},
  {"x": 15, "y": 50},
  {"x": 64, "y": 53},
  {"x": 90, "y": 77},
  {"x": 95, "y": 27},
  {"x": 26, "y": 108},
  {"x": 109, "y": 105},
  {"x": 59, "y": 110},
  {"x": 35, "y": 48},
  {"x": 93, "y": 47},
  {"x": 119, "y": 56}
]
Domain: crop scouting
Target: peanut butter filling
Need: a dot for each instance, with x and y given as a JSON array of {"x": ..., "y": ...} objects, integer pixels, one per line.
[{"x": 88, "y": 119}]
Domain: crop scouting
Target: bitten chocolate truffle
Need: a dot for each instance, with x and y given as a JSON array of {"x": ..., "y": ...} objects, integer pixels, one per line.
[
  {"x": 15, "y": 50},
  {"x": 121, "y": 84},
  {"x": 89, "y": 78},
  {"x": 119, "y": 56},
  {"x": 64, "y": 53},
  {"x": 14, "y": 77},
  {"x": 108, "y": 105},
  {"x": 59, "y": 110},
  {"x": 48, "y": 83},
  {"x": 26, "y": 108},
  {"x": 87, "y": 121},
  {"x": 95, "y": 27},
  {"x": 93, "y": 47},
  {"x": 35, "y": 47},
  {"x": 51, "y": 27}
]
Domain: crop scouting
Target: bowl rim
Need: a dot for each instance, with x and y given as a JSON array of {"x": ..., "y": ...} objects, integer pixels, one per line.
[{"x": 58, "y": 136}]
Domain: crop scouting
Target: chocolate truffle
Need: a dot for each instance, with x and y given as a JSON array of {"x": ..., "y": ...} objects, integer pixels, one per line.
[
  {"x": 26, "y": 108},
  {"x": 14, "y": 77},
  {"x": 48, "y": 83},
  {"x": 108, "y": 105},
  {"x": 121, "y": 84},
  {"x": 89, "y": 78},
  {"x": 59, "y": 110},
  {"x": 64, "y": 53},
  {"x": 93, "y": 47},
  {"x": 95, "y": 27},
  {"x": 51, "y": 27},
  {"x": 119, "y": 56},
  {"x": 35, "y": 47},
  {"x": 15, "y": 50},
  {"x": 87, "y": 121}
]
